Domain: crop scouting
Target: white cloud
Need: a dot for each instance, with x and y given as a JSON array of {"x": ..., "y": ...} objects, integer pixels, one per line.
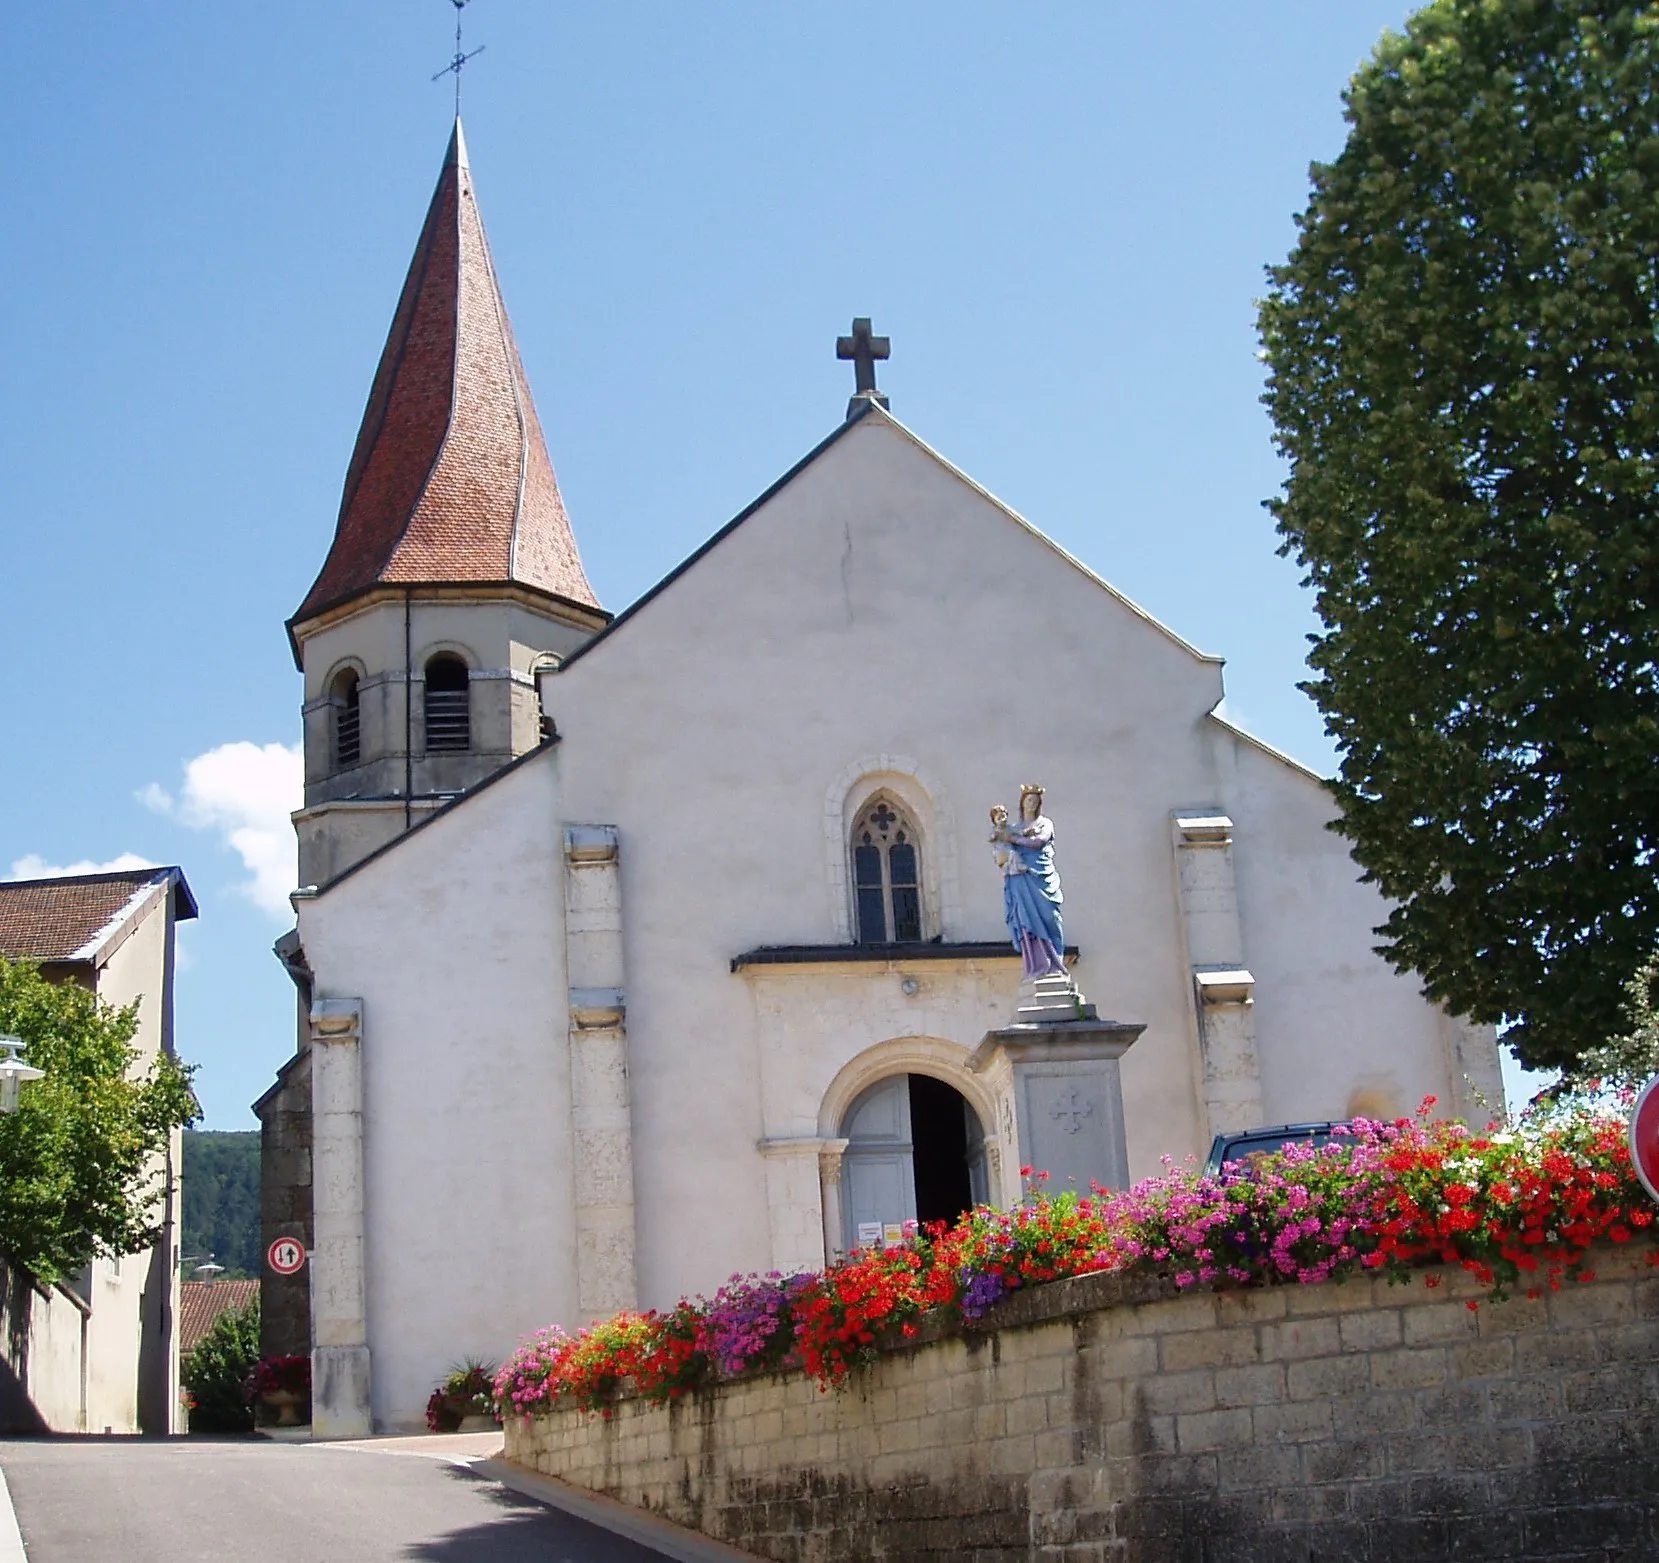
[
  {"x": 33, "y": 866},
  {"x": 244, "y": 792},
  {"x": 157, "y": 799}
]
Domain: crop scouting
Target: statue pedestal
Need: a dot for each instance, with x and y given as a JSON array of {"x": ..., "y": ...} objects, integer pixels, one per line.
[
  {"x": 1061, "y": 1099},
  {"x": 1049, "y": 998}
]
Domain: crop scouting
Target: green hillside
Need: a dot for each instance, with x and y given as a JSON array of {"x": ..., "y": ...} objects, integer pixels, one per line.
[{"x": 221, "y": 1199}]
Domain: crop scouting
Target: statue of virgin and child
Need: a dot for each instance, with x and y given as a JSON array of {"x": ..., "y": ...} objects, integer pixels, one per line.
[{"x": 1031, "y": 898}]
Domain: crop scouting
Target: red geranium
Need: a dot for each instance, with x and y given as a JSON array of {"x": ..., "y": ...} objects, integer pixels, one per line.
[{"x": 278, "y": 1375}]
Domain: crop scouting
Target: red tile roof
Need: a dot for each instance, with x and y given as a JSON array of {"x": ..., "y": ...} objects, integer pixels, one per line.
[
  {"x": 450, "y": 479},
  {"x": 201, "y": 1302},
  {"x": 62, "y": 919}
]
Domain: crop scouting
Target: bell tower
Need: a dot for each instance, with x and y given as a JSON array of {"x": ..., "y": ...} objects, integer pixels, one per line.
[{"x": 453, "y": 572}]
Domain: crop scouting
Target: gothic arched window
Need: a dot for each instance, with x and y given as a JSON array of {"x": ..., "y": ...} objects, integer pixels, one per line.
[
  {"x": 348, "y": 721},
  {"x": 448, "y": 704},
  {"x": 887, "y": 874}
]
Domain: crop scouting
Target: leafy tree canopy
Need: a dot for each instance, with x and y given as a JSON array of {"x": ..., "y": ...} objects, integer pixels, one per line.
[
  {"x": 1464, "y": 378},
  {"x": 79, "y": 1160},
  {"x": 1631, "y": 1059}
]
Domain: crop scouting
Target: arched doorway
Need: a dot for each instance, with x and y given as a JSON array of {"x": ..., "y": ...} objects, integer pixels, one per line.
[{"x": 915, "y": 1152}]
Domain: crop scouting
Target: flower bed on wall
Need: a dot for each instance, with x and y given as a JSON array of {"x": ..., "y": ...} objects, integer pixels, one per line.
[{"x": 1518, "y": 1207}]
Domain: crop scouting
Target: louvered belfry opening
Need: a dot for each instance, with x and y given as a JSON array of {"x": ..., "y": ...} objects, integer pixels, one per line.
[
  {"x": 448, "y": 705},
  {"x": 348, "y": 722}
]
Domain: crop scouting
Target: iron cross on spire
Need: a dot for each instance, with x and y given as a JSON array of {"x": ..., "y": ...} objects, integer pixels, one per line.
[
  {"x": 865, "y": 351},
  {"x": 458, "y": 64}
]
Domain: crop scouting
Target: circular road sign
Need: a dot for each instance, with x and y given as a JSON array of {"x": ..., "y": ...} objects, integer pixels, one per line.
[
  {"x": 286, "y": 1256},
  {"x": 1644, "y": 1136}
]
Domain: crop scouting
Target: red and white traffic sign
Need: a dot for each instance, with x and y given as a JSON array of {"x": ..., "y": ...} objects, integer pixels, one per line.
[
  {"x": 1644, "y": 1136},
  {"x": 286, "y": 1256}
]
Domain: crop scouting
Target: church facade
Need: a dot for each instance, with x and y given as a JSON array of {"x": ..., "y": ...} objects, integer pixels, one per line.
[{"x": 637, "y": 951}]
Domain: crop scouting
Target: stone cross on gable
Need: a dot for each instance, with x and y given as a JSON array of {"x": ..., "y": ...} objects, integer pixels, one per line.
[{"x": 865, "y": 351}]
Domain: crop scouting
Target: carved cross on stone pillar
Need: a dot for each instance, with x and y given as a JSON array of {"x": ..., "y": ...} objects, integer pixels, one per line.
[
  {"x": 1070, "y": 1111},
  {"x": 865, "y": 351}
]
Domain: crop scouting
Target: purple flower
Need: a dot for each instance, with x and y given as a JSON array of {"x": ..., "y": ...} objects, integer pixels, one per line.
[
  {"x": 982, "y": 1293},
  {"x": 743, "y": 1327}
]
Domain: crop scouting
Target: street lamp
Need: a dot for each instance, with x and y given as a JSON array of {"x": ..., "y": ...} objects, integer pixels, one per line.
[{"x": 14, "y": 1072}]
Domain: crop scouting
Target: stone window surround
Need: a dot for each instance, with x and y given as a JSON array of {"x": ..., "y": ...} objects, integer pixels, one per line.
[
  {"x": 344, "y": 665},
  {"x": 928, "y": 806}
]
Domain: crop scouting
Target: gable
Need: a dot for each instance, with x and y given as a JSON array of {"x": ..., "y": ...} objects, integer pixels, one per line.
[
  {"x": 872, "y": 531},
  {"x": 873, "y": 572}
]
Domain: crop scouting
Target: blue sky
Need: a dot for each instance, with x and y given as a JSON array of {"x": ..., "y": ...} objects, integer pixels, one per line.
[{"x": 1060, "y": 214}]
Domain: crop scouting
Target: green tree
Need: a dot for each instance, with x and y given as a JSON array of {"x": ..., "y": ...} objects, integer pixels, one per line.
[
  {"x": 78, "y": 1159},
  {"x": 221, "y": 1198},
  {"x": 1633, "y": 1058},
  {"x": 1464, "y": 377},
  {"x": 217, "y": 1369}
]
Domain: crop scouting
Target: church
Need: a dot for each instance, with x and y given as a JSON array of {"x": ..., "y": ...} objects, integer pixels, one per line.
[{"x": 633, "y": 951}]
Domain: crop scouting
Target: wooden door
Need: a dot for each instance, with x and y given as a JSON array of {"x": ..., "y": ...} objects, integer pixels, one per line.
[{"x": 878, "y": 1172}]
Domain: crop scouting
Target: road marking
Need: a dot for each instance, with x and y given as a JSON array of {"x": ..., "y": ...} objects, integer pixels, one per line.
[{"x": 11, "y": 1539}]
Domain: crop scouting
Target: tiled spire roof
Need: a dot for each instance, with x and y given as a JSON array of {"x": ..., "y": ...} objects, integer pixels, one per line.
[{"x": 450, "y": 479}]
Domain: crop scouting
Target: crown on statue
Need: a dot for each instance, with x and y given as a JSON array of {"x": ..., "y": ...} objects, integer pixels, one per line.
[{"x": 1035, "y": 787}]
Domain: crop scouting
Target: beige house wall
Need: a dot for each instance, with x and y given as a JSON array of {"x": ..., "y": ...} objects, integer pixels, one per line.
[
  {"x": 105, "y": 1359},
  {"x": 133, "y": 1353}
]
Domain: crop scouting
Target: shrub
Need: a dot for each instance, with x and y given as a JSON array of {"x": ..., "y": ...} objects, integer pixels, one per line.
[{"x": 216, "y": 1370}]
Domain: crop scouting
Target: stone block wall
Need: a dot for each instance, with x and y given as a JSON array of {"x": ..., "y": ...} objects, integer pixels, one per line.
[
  {"x": 285, "y": 1208},
  {"x": 1102, "y": 1418}
]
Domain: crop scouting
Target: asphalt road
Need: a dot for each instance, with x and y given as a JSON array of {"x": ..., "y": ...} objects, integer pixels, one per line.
[{"x": 129, "y": 1500}]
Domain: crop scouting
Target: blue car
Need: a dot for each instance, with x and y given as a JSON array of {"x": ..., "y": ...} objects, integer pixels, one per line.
[{"x": 1242, "y": 1144}]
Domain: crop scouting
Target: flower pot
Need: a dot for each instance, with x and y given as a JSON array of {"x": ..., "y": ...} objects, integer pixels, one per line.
[
  {"x": 478, "y": 1422},
  {"x": 286, "y": 1403}
]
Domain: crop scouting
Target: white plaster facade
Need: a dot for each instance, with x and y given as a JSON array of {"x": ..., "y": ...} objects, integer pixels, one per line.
[{"x": 573, "y": 1093}]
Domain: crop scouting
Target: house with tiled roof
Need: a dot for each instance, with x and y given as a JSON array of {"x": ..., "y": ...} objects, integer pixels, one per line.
[
  {"x": 635, "y": 951},
  {"x": 100, "y": 1353},
  {"x": 201, "y": 1302}
]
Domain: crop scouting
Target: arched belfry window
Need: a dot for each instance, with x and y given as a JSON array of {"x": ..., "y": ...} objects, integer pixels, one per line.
[
  {"x": 887, "y": 874},
  {"x": 348, "y": 721},
  {"x": 448, "y": 704}
]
